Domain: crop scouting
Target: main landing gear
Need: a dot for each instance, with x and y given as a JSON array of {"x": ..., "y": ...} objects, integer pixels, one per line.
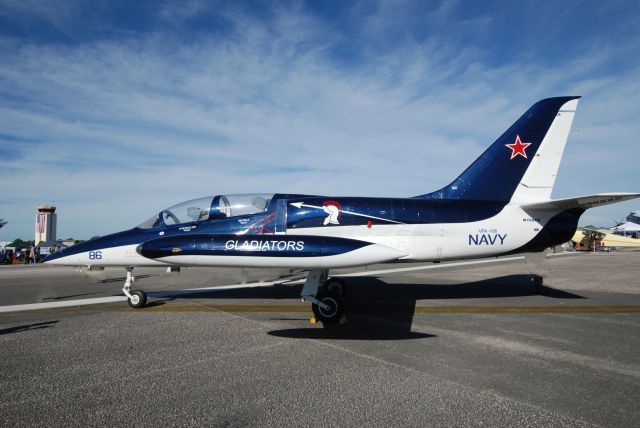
[
  {"x": 137, "y": 298},
  {"x": 325, "y": 296}
]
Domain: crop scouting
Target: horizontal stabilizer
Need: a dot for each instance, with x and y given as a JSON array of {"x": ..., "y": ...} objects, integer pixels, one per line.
[{"x": 583, "y": 202}]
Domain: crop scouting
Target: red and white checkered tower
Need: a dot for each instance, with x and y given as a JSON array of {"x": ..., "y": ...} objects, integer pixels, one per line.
[{"x": 46, "y": 224}]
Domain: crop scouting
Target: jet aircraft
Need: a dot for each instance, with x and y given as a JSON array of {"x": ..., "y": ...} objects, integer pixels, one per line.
[{"x": 501, "y": 204}]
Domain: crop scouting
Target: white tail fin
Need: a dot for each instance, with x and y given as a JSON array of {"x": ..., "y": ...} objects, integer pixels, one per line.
[{"x": 537, "y": 182}]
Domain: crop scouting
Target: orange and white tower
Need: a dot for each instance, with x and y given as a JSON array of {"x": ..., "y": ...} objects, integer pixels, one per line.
[{"x": 46, "y": 224}]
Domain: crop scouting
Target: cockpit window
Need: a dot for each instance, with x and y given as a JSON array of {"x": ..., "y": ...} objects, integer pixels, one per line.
[
  {"x": 213, "y": 207},
  {"x": 185, "y": 212},
  {"x": 235, "y": 205},
  {"x": 150, "y": 223}
]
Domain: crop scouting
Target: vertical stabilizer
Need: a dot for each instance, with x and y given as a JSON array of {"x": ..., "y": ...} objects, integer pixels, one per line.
[
  {"x": 538, "y": 180},
  {"x": 521, "y": 165}
]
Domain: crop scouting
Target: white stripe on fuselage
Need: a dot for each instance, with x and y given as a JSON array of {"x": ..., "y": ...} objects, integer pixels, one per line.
[{"x": 508, "y": 230}]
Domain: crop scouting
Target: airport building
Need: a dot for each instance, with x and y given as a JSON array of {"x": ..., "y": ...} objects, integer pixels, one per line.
[{"x": 46, "y": 220}]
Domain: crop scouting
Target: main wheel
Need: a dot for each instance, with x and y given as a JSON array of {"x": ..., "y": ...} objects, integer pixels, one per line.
[
  {"x": 335, "y": 286},
  {"x": 138, "y": 299},
  {"x": 333, "y": 310}
]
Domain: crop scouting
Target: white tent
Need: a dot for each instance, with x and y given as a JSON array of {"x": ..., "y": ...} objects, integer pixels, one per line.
[{"x": 628, "y": 227}]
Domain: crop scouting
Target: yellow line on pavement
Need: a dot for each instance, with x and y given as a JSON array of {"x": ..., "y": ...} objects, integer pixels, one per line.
[{"x": 267, "y": 308}]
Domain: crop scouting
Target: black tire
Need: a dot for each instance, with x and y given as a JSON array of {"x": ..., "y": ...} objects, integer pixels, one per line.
[
  {"x": 336, "y": 307},
  {"x": 139, "y": 299},
  {"x": 335, "y": 286}
]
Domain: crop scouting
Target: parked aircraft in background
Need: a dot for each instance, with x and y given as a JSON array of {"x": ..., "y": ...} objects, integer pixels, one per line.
[
  {"x": 499, "y": 205},
  {"x": 587, "y": 238}
]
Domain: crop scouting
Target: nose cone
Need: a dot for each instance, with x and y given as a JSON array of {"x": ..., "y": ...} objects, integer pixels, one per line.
[
  {"x": 59, "y": 257},
  {"x": 116, "y": 249},
  {"x": 78, "y": 254},
  {"x": 72, "y": 256}
]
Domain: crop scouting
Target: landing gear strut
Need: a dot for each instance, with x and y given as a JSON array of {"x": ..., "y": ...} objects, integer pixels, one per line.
[
  {"x": 325, "y": 296},
  {"x": 136, "y": 298}
]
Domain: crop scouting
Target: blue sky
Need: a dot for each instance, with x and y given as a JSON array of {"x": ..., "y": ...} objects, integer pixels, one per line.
[{"x": 114, "y": 110}]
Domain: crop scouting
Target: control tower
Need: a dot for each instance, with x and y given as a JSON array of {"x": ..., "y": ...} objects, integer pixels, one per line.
[{"x": 46, "y": 224}]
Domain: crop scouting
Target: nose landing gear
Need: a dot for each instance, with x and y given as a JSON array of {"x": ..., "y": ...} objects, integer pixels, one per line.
[{"x": 136, "y": 298}]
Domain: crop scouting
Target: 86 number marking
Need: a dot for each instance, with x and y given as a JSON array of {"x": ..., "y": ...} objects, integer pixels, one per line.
[{"x": 95, "y": 255}]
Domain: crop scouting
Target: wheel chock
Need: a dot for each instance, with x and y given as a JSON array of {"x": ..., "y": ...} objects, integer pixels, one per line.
[
  {"x": 343, "y": 320},
  {"x": 313, "y": 320}
]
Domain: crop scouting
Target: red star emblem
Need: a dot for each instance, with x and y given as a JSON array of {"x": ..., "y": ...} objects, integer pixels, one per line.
[{"x": 518, "y": 148}]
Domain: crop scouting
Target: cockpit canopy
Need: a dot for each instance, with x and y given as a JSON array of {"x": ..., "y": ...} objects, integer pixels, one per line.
[{"x": 212, "y": 207}]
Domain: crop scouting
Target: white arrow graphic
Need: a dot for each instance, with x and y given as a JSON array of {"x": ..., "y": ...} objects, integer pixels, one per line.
[{"x": 335, "y": 221}]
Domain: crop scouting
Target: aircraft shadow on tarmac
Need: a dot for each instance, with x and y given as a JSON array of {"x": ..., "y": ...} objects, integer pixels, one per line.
[
  {"x": 122, "y": 279},
  {"x": 28, "y": 327},
  {"x": 68, "y": 296},
  {"x": 504, "y": 286},
  {"x": 359, "y": 328},
  {"x": 383, "y": 311}
]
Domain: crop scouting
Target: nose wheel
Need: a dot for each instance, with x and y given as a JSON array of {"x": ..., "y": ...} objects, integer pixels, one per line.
[{"x": 136, "y": 298}]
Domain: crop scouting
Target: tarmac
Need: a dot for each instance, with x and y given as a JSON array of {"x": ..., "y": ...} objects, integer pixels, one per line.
[{"x": 448, "y": 345}]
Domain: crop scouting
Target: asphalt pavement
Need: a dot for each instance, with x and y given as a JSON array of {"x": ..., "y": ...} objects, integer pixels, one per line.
[{"x": 465, "y": 345}]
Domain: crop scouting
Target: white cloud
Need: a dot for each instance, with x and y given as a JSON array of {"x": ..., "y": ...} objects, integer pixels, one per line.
[{"x": 117, "y": 129}]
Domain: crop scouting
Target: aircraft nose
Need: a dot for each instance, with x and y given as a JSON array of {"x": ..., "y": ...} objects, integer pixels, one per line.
[
  {"x": 57, "y": 257},
  {"x": 73, "y": 255}
]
